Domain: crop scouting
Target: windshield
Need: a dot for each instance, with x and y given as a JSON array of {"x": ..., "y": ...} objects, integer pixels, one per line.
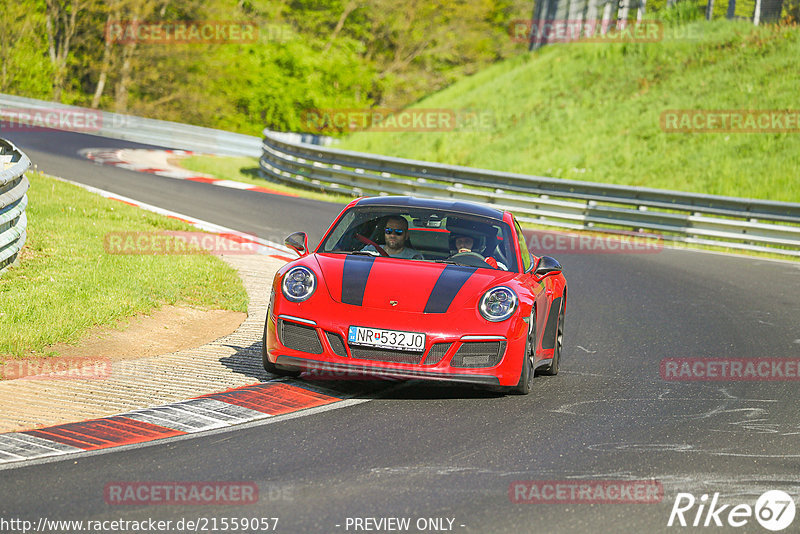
[{"x": 420, "y": 234}]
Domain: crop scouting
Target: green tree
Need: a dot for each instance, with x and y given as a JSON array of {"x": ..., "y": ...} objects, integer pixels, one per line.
[{"x": 23, "y": 67}]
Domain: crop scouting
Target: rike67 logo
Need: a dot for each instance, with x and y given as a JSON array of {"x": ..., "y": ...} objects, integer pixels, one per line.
[{"x": 774, "y": 510}]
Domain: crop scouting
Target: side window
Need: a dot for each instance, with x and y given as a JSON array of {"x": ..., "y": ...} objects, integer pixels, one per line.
[{"x": 523, "y": 249}]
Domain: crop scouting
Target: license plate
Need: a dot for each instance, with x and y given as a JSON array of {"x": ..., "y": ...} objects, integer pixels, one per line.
[{"x": 386, "y": 339}]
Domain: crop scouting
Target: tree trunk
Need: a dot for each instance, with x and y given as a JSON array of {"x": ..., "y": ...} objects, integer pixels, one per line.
[
  {"x": 575, "y": 17},
  {"x": 641, "y": 10},
  {"x": 757, "y": 13},
  {"x": 731, "y": 10},
  {"x": 98, "y": 92},
  {"x": 60, "y": 23},
  {"x": 6, "y": 41},
  {"x": 622, "y": 15},
  {"x": 101, "y": 81},
  {"x": 349, "y": 8},
  {"x": 709, "y": 9},
  {"x": 121, "y": 93},
  {"x": 591, "y": 17},
  {"x": 606, "y": 18},
  {"x": 535, "y": 16}
]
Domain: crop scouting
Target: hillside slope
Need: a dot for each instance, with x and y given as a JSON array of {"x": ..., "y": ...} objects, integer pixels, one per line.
[{"x": 592, "y": 112}]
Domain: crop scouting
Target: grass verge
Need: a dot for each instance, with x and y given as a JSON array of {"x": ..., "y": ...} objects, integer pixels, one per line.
[
  {"x": 66, "y": 283},
  {"x": 592, "y": 112}
]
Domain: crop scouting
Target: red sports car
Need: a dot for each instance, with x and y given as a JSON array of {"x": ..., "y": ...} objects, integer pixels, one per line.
[{"x": 418, "y": 288}]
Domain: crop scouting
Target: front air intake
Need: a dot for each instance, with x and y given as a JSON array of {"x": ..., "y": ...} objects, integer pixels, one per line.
[
  {"x": 299, "y": 337},
  {"x": 479, "y": 354},
  {"x": 337, "y": 344},
  {"x": 437, "y": 352}
]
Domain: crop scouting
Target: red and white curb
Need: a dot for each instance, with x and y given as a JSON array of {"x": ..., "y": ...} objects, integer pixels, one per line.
[
  {"x": 208, "y": 412},
  {"x": 257, "y": 244},
  {"x": 158, "y": 162},
  {"x": 257, "y": 403}
]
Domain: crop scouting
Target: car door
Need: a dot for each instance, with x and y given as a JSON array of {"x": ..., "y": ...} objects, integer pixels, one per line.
[{"x": 539, "y": 289}]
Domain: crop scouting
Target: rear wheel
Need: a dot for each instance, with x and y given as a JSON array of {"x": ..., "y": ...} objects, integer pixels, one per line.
[
  {"x": 268, "y": 365},
  {"x": 525, "y": 383},
  {"x": 552, "y": 369}
]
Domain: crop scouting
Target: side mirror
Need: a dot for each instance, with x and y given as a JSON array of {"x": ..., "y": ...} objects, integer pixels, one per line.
[
  {"x": 545, "y": 266},
  {"x": 298, "y": 241}
]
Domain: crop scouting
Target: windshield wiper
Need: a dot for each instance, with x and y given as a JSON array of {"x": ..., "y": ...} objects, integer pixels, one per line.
[
  {"x": 362, "y": 253},
  {"x": 352, "y": 252}
]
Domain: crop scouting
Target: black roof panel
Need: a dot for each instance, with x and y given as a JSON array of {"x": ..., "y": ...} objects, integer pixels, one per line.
[{"x": 460, "y": 206}]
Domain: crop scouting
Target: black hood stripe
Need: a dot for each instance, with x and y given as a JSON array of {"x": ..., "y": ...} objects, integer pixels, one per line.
[
  {"x": 354, "y": 278},
  {"x": 448, "y": 285}
]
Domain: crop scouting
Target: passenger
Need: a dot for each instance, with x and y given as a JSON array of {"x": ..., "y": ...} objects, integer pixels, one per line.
[{"x": 463, "y": 243}]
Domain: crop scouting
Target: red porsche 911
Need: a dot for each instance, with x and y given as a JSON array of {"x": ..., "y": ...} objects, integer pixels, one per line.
[{"x": 418, "y": 288}]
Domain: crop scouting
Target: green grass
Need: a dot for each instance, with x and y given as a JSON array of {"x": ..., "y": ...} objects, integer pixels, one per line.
[
  {"x": 244, "y": 169},
  {"x": 591, "y": 112},
  {"x": 66, "y": 283}
]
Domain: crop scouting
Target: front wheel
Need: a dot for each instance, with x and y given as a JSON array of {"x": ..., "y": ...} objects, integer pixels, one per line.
[{"x": 525, "y": 383}]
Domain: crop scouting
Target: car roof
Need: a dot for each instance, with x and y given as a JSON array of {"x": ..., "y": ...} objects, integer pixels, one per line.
[{"x": 459, "y": 206}]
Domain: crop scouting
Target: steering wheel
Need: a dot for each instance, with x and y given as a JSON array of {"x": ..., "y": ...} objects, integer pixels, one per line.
[
  {"x": 368, "y": 241},
  {"x": 471, "y": 259}
]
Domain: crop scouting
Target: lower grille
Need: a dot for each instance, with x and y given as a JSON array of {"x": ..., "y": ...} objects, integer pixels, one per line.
[
  {"x": 479, "y": 354},
  {"x": 299, "y": 337},
  {"x": 384, "y": 355},
  {"x": 337, "y": 344},
  {"x": 437, "y": 352}
]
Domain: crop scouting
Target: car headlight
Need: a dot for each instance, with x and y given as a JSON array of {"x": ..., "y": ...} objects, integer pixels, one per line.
[
  {"x": 299, "y": 284},
  {"x": 498, "y": 304}
]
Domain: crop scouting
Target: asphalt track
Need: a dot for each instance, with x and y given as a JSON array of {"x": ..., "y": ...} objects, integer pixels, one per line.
[{"x": 420, "y": 450}]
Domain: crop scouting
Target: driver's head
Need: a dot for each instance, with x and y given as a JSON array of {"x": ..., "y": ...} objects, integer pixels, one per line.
[
  {"x": 463, "y": 243},
  {"x": 396, "y": 232}
]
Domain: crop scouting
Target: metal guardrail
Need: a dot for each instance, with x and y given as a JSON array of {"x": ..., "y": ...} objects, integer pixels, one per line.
[
  {"x": 141, "y": 130},
  {"x": 748, "y": 224},
  {"x": 13, "y": 201}
]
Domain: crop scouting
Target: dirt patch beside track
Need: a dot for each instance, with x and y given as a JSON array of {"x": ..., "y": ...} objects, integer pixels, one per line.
[
  {"x": 156, "y": 360},
  {"x": 168, "y": 329}
]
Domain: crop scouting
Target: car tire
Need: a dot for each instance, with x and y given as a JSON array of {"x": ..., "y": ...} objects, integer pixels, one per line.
[
  {"x": 268, "y": 365},
  {"x": 552, "y": 368},
  {"x": 525, "y": 383}
]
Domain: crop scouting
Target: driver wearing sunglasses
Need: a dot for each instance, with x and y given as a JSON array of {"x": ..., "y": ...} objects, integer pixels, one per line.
[{"x": 396, "y": 236}]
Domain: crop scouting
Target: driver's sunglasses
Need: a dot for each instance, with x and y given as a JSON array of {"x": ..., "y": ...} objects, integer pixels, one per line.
[{"x": 397, "y": 231}]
